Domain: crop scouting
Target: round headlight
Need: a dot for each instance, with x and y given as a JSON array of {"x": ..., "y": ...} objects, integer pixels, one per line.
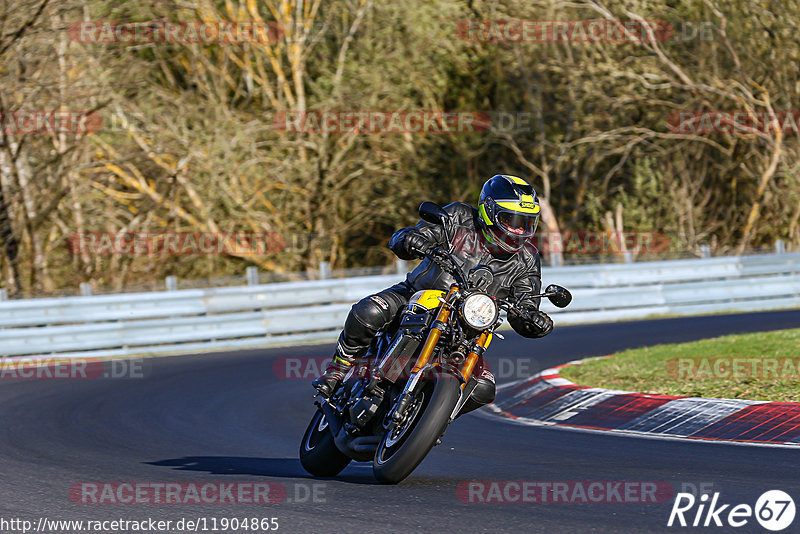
[{"x": 479, "y": 311}]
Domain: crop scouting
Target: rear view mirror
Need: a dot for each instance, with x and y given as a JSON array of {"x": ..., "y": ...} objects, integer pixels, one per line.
[
  {"x": 559, "y": 296},
  {"x": 432, "y": 213}
]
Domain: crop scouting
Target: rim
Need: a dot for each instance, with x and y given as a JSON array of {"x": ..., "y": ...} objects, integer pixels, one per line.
[
  {"x": 397, "y": 433},
  {"x": 397, "y": 436}
]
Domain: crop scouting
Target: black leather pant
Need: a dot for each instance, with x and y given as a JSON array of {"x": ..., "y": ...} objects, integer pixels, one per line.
[{"x": 369, "y": 315}]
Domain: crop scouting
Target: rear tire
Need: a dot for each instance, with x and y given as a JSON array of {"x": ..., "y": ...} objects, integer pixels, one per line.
[
  {"x": 318, "y": 452},
  {"x": 398, "y": 456}
]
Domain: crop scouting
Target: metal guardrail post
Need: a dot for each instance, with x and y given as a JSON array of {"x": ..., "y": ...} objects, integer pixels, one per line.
[
  {"x": 171, "y": 283},
  {"x": 780, "y": 246},
  {"x": 86, "y": 289},
  {"x": 628, "y": 256},
  {"x": 3, "y": 294},
  {"x": 556, "y": 259},
  {"x": 324, "y": 270},
  {"x": 252, "y": 275},
  {"x": 705, "y": 251}
]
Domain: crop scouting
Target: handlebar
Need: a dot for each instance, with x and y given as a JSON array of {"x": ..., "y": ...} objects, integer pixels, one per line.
[
  {"x": 434, "y": 214},
  {"x": 446, "y": 261}
]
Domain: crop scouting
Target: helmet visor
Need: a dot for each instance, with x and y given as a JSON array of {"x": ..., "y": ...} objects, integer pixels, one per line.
[{"x": 517, "y": 224}]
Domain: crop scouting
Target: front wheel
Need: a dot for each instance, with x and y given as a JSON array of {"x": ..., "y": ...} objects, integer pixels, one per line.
[
  {"x": 318, "y": 452},
  {"x": 406, "y": 444}
]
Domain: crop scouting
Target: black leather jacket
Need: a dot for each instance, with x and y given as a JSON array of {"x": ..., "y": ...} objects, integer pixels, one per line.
[{"x": 514, "y": 274}]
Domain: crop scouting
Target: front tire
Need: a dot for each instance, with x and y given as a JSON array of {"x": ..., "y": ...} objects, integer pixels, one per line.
[
  {"x": 318, "y": 452},
  {"x": 401, "y": 451}
]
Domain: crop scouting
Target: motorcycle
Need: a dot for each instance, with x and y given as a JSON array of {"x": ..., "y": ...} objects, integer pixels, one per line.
[{"x": 394, "y": 405}]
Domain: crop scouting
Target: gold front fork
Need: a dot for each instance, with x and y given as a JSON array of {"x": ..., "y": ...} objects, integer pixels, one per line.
[
  {"x": 435, "y": 333},
  {"x": 472, "y": 358}
]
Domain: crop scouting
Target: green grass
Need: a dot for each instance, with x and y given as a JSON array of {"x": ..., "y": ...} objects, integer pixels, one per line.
[{"x": 664, "y": 369}]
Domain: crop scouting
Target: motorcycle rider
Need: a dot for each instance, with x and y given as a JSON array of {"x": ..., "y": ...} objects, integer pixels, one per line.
[{"x": 497, "y": 234}]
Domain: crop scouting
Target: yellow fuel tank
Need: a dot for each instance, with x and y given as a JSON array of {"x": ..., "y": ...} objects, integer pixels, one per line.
[{"x": 427, "y": 299}]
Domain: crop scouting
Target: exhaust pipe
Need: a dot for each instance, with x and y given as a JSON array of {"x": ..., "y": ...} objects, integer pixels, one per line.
[
  {"x": 360, "y": 449},
  {"x": 365, "y": 444}
]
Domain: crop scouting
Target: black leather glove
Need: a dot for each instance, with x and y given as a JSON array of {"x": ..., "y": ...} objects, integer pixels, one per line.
[
  {"x": 532, "y": 324},
  {"x": 418, "y": 244}
]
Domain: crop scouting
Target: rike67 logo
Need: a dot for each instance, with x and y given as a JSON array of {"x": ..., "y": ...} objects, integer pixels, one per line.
[{"x": 774, "y": 510}]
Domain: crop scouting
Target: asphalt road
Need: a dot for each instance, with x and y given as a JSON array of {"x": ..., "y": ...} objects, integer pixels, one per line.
[{"x": 227, "y": 417}]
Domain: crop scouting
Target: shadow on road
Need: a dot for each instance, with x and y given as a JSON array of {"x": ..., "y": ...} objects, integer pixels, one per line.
[
  {"x": 268, "y": 467},
  {"x": 237, "y": 465}
]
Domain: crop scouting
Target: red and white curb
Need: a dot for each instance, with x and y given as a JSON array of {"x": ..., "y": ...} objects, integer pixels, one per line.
[{"x": 549, "y": 399}]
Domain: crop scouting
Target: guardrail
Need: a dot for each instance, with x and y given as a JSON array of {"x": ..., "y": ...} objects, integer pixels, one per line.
[{"x": 260, "y": 315}]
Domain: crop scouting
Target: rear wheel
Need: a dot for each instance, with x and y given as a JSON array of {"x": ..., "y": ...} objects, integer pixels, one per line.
[
  {"x": 407, "y": 443},
  {"x": 318, "y": 452}
]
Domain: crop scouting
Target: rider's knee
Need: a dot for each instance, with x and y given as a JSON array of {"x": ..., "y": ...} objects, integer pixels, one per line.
[{"x": 370, "y": 314}]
